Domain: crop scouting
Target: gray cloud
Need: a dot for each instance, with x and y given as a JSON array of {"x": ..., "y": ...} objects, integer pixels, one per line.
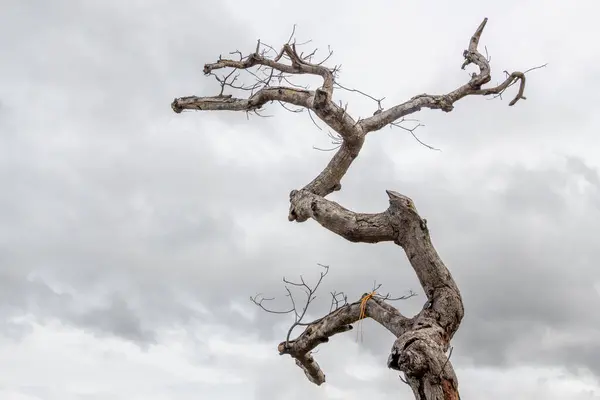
[
  {"x": 536, "y": 277},
  {"x": 117, "y": 319}
]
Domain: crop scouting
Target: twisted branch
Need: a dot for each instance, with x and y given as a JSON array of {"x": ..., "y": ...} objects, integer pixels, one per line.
[
  {"x": 423, "y": 340},
  {"x": 445, "y": 102}
]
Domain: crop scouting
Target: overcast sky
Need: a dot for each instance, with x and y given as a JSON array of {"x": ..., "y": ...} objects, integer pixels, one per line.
[{"x": 132, "y": 237}]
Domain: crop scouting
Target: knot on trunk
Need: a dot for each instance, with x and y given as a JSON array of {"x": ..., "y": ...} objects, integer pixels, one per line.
[
  {"x": 300, "y": 211},
  {"x": 321, "y": 99}
]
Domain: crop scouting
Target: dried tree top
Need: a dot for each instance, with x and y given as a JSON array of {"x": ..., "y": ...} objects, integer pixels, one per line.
[{"x": 423, "y": 340}]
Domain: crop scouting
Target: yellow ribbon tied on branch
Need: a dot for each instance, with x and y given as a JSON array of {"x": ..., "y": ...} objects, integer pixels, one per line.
[{"x": 363, "y": 312}]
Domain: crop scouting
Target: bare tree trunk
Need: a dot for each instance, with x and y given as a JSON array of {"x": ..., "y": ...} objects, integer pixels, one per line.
[{"x": 423, "y": 340}]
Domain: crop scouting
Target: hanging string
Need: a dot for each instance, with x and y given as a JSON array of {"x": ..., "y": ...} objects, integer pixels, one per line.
[{"x": 363, "y": 314}]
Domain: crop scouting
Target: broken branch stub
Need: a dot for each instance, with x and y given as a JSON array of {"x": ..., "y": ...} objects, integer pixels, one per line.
[{"x": 423, "y": 340}]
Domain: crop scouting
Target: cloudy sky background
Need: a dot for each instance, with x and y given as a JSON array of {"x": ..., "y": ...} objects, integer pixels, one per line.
[{"x": 132, "y": 237}]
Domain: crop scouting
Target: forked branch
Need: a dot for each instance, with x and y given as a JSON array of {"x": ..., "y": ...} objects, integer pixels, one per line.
[
  {"x": 445, "y": 102},
  {"x": 340, "y": 319}
]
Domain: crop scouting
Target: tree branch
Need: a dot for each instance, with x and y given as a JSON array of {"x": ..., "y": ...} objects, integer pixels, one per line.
[
  {"x": 298, "y": 65},
  {"x": 336, "y": 322},
  {"x": 297, "y": 97},
  {"x": 400, "y": 223},
  {"x": 318, "y": 101},
  {"x": 446, "y": 102},
  {"x": 355, "y": 227}
]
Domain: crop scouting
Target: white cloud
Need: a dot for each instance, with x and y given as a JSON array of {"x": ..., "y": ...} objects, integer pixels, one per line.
[{"x": 524, "y": 383}]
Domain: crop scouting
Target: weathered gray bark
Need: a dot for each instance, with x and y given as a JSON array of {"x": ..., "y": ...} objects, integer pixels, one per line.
[{"x": 423, "y": 340}]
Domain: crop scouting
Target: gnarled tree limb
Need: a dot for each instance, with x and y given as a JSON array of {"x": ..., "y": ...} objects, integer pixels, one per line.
[
  {"x": 428, "y": 336},
  {"x": 445, "y": 102},
  {"x": 423, "y": 340},
  {"x": 340, "y": 321}
]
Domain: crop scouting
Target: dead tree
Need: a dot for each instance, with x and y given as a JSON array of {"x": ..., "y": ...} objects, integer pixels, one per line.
[{"x": 422, "y": 341}]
